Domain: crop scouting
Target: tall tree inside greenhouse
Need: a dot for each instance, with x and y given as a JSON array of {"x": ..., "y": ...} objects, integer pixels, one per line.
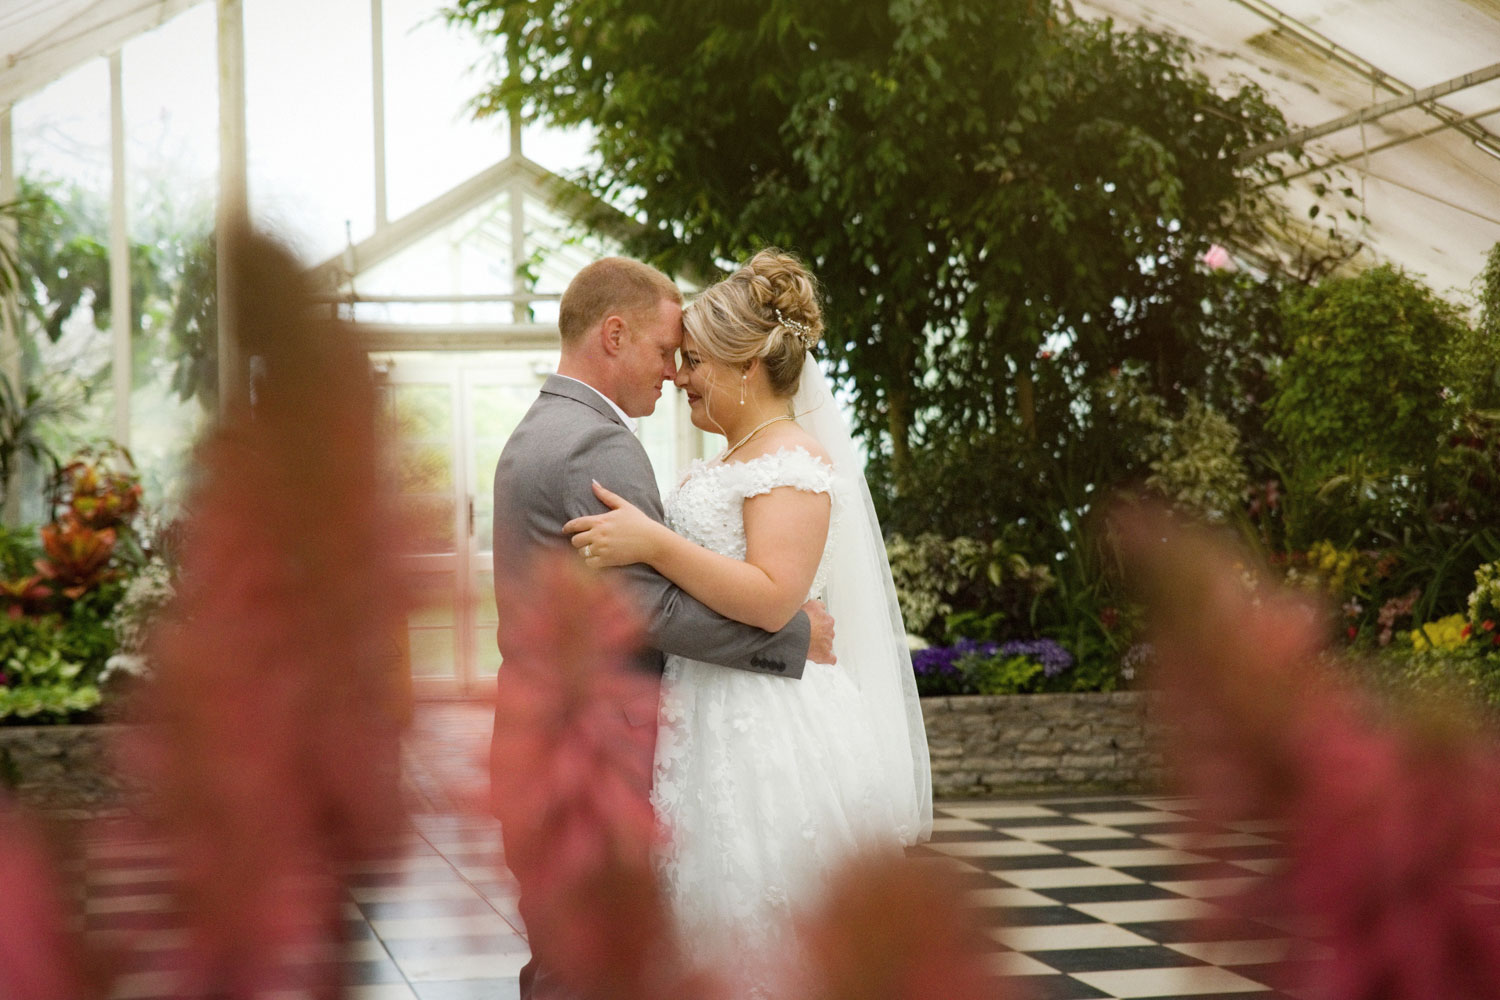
[{"x": 976, "y": 182}]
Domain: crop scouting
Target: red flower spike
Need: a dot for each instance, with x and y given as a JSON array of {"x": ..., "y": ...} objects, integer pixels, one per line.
[
  {"x": 892, "y": 930},
  {"x": 1382, "y": 816},
  {"x": 270, "y": 732},
  {"x": 570, "y": 778},
  {"x": 41, "y": 956}
]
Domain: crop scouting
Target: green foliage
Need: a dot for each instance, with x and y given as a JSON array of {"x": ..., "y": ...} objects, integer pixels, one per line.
[
  {"x": 1484, "y": 602},
  {"x": 1464, "y": 674},
  {"x": 1000, "y": 674},
  {"x": 19, "y": 549},
  {"x": 1196, "y": 463},
  {"x": 25, "y": 413},
  {"x": 1481, "y": 352},
  {"x": 968, "y": 179},
  {"x": 194, "y": 329},
  {"x": 934, "y": 574},
  {"x": 51, "y": 664},
  {"x": 65, "y": 260},
  {"x": 1369, "y": 383}
]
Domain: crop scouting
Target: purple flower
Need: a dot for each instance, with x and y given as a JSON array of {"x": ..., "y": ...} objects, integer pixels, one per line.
[
  {"x": 1052, "y": 656},
  {"x": 943, "y": 660}
]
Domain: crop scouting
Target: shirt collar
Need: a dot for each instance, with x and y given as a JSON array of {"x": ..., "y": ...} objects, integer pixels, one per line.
[{"x": 629, "y": 421}]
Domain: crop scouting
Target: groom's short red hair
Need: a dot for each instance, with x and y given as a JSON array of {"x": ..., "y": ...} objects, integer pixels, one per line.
[{"x": 611, "y": 286}]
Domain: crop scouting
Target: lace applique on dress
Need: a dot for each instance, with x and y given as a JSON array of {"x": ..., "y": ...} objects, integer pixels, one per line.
[{"x": 708, "y": 506}]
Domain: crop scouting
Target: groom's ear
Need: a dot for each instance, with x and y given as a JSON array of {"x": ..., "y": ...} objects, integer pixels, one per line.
[{"x": 612, "y": 333}]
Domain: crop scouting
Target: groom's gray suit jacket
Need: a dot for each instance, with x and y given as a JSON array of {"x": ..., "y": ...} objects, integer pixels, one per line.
[{"x": 571, "y": 436}]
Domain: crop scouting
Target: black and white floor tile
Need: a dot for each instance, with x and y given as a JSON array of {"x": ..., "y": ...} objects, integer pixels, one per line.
[
  {"x": 1115, "y": 897},
  {"x": 1082, "y": 897}
]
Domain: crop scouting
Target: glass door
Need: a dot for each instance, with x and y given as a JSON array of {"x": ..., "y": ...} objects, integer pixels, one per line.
[{"x": 450, "y": 415}]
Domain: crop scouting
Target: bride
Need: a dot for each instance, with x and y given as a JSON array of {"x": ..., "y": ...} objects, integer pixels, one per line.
[{"x": 765, "y": 785}]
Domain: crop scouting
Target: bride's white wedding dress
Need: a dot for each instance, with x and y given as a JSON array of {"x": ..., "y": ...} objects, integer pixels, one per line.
[{"x": 764, "y": 784}]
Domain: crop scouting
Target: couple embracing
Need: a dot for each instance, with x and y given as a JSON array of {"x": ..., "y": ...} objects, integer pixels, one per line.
[{"x": 783, "y": 746}]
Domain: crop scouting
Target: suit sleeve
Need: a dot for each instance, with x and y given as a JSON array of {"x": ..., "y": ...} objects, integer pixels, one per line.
[{"x": 678, "y": 623}]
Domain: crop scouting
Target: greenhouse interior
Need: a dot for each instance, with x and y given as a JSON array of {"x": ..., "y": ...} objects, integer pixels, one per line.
[{"x": 1167, "y": 336}]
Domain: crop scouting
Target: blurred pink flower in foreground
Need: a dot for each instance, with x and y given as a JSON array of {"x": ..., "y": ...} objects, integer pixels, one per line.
[
  {"x": 270, "y": 740},
  {"x": 1385, "y": 817},
  {"x": 569, "y": 778},
  {"x": 41, "y": 955},
  {"x": 1216, "y": 258},
  {"x": 891, "y": 929}
]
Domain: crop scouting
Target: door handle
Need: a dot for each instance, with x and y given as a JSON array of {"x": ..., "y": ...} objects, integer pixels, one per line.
[{"x": 471, "y": 515}]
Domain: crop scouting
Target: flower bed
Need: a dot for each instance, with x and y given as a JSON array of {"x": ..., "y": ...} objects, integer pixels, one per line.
[{"x": 1006, "y": 745}]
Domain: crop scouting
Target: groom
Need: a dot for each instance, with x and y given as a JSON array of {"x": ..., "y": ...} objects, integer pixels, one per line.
[{"x": 621, "y": 326}]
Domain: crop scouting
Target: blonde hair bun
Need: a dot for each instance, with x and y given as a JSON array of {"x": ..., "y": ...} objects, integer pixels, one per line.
[
  {"x": 781, "y": 285},
  {"x": 768, "y": 309}
]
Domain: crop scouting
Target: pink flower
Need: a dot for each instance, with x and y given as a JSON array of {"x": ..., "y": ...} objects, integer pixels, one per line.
[
  {"x": 270, "y": 734},
  {"x": 41, "y": 957},
  {"x": 889, "y": 928},
  {"x": 570, "y": 777},
  {"x": 1216, "y": 258},
  {"x": 1383, "y": 815}
]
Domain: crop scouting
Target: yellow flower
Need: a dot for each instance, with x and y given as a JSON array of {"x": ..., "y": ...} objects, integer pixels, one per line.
[{"x": 1445, "y": 633}]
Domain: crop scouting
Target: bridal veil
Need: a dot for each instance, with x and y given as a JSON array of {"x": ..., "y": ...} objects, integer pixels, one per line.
[{"x": 869, "y": 638}]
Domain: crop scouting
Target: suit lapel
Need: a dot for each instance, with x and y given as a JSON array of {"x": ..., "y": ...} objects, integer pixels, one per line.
[{"x": 558, "y": 385}]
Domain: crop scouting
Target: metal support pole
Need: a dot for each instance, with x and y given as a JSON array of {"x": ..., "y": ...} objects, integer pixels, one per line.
[
  {"x": 1377, "y": 111},
  {"x": 522, "y": 308},
  {"x": 377, "y": 42},
  {"x": 120, "y": 307},
  {"x": 233, "y": 208},
  {"x": 521, "y": 311},
  {"x": 10, "y": 334}
]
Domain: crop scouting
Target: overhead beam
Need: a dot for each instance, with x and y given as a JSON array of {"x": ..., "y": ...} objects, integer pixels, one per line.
[
  {"x": 383, "y": 337},
  {"x": 100, "y": 29},
  {"x": 1377, "y": 111},
  {"x": 1360, "y": 154},
  {"x": 401, "y": 233},
  {"x": 1331, "y": 50}
]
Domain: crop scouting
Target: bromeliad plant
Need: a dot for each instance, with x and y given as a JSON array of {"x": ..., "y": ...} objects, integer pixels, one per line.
[{"x": 59, "y": 587}]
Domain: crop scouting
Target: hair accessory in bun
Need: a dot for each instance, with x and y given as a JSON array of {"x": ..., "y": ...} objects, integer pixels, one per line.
[{"x": 802, "y": 330}]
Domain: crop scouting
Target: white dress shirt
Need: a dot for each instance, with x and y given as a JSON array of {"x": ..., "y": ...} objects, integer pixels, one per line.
[{"x": 629, "y": 421}]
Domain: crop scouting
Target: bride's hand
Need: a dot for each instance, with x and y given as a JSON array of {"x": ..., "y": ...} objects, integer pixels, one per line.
[{"x": 619, "y": 537}]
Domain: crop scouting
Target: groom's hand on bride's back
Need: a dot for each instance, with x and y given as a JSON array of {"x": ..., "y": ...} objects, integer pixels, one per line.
[{"x": 820, "y": 642}]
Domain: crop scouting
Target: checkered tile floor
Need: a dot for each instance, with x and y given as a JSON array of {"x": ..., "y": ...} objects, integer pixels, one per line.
[
  {"x": 1097, "y": 897},
  {"x": 1108, "y": 897}
]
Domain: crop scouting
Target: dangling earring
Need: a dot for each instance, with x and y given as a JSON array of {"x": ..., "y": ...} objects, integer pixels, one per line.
[{"x": 743, "y": 379}]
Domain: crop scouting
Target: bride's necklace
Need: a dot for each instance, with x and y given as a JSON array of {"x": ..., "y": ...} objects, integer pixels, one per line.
[{"x": 753, "y": 431}]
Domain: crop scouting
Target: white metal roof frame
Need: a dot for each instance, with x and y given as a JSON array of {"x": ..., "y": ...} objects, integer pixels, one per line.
[{"x": 1427, "y": 164}]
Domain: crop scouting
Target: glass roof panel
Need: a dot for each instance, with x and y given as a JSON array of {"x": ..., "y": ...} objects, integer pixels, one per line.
[{"x": 432, "y": 140}]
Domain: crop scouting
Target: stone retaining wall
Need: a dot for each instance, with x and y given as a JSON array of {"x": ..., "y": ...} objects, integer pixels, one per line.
[
  {"x": 981, "y": 746},
  {"x": 59, "y": 767},
  {"x": 985, "y": 746}
]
